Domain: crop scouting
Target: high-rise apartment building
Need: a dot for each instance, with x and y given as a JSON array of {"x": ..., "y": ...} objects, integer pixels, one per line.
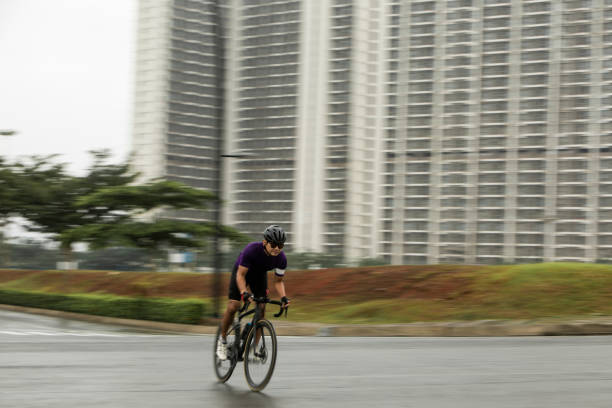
[
  {"x": 504, "y": 132},
  {"x": 304, "y": 89},
  {"x": 177, "y": 95},
  {"x": 421, "y": 131},
  {"x": 306, "y": 102}
]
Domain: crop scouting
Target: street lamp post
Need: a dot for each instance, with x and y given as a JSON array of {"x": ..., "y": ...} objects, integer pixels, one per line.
[
  {"x": 218, "y": 219},
  {"x": 217, "y": 237},
  {"x": 220, "y": 77}
]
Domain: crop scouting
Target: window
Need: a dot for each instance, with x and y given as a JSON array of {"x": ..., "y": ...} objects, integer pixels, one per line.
[
  {"x": 491, "y": 202},
  {"x": 528, "y": 141},
  {"x": 535, "y": 31},
  {"x": 495, "y": 46},
  {"x": 459, "y": 26},
  {"x": 494, "y": 82},
  {"x": 496, "y": 35},
  {"x": 492, "y": 130},
  {"x": 485, "y": 214},
  {"x": 494, "y": 106},
  {"x": 531, "y": 177},
  {"x": 496, "y": 11},
  {"x": 539, "y": 55},
  {"x": 534, "y": 80},
  {"x": 422, "y": 29},
  {"x": 459, "y": 15},
  {"x": 492, "y": 165},
  {"x": 496, "y": 22},
  {"x": 421, "y": 52},
  {"x": 575, "y": 78},
  {"x": 494, "y": 94},
  {"x": 458, "y": 49},
  {"x": 526, "y": 202},
  {"x": 490, "y": 226},
  {"x": 536, "y": 116},
  {"x": 534, "y": 68},
  {"x": 459, "y": 38},
  {"x": 533, "y": 104},
  {"x": 495, "y": 70},
  {"x": 531, "y": 189},
  {"x": 423, "y": 6},
  {"x": 534, "y": 7},
  {"x": 491, "y": 190},
  {"x": 573, "y": 53},
  {"x": 457, "y": 84},
  {"x": 540, "y": 19},
  {"x": 422, "y": 40},
  {"x": 532, "y": 128},
  {"x": 495, "y": 59},
  {"x": 577, "y": 16},
  {"x": 489, "y": 118},
  {"x": 534, "y": 92}
]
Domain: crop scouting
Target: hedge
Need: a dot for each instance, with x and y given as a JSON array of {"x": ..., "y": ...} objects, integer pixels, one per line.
[{"x": 187, "y": 311}]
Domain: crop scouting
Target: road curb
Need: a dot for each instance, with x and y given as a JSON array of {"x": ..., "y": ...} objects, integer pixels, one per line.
[{"x": 480, "y": 328}]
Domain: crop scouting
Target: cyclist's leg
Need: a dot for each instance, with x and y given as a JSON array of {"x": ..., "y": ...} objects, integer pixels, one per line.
[
  {"x": 260, "y": 289},
  {"x": 228, "y": 316},
  {"x": 232, "y": 306}
]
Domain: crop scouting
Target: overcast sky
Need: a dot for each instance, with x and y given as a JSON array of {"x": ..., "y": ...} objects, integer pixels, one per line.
[{"x": 66, "y": 70}]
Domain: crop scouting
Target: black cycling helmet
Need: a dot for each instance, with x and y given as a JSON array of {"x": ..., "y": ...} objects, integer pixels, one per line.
[{"x": 275, "y": 235}]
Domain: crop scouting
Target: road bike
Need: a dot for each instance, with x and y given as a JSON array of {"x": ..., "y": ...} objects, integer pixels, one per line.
[{"x": 254, "y": 343}]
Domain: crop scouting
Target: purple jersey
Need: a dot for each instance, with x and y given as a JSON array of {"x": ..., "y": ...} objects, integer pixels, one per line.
[{"x": 254, "y": 257}]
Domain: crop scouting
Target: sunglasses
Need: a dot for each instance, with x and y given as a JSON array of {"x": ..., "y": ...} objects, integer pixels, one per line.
[{"x": 273, "y": 245}]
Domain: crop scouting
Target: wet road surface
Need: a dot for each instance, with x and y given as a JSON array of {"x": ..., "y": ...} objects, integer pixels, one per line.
[{"x": 51, "y": 362}]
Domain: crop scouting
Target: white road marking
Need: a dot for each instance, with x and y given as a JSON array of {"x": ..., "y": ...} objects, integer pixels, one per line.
[{"x": 70, "y": 333}]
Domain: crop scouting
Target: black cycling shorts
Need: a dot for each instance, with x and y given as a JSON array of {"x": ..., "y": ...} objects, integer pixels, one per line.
[{"x": 257, "y": 286}]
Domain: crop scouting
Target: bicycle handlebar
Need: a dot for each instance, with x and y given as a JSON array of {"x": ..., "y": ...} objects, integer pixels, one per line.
[{"x": 259, "y": 300}]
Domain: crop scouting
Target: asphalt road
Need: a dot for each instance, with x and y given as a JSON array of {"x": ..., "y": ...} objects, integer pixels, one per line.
[{"x": 51, "y": 362}]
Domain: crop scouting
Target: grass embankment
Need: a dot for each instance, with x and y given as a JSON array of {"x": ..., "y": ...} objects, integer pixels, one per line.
[{"x": 386, "y": 294}]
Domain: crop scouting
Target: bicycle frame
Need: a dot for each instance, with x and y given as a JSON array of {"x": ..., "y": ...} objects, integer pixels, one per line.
[
  {"x": 258, "y": 341},
  {"x": 238, "y": 346}
]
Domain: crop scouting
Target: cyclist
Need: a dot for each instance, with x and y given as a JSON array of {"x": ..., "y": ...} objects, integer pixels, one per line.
[{"x": 250, "y": 276}]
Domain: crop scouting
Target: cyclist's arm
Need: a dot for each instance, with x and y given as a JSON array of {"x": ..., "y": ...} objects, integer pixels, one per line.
[
  {"x": 241, "y": 278},
  {"x": 279, "y": 285}
]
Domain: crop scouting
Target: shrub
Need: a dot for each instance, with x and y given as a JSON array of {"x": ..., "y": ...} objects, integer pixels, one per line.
[{"x": 187, "y": 311}]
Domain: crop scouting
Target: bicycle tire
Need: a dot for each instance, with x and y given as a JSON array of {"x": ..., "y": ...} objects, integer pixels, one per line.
[
  {"x": 252, "y": 363},
  {"x": 225, "y": 368}
]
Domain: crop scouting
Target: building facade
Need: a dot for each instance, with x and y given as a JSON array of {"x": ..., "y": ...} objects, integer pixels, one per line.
[
  {"x": 177, "y": 116},
  {"x": 303, "y": 87},
  {"x": 504, "y": 135},
  {"x": 418, "y": 131},
  {"x": 306, "y": 100}
]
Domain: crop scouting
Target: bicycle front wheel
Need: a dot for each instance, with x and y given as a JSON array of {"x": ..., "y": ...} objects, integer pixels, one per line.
[
  {"x": 225, "y": 368},
  {"x": 260, "y": 355}
]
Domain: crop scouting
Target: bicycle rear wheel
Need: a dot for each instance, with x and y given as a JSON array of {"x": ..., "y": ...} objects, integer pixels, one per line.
[
  {"x": 225, "y": 368},
  {"x": 260, "y": 355}
]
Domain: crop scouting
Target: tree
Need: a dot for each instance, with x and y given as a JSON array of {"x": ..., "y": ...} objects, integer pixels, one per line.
[
  {"x": 117, "y": 216},
  {"x": 102, "y": 208},
  {"x": 115, "y": 259},
  {"x": 46, "y": 195},
  {"x": 49, "y": 198},
  {"x": 9, "y": 190}
]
